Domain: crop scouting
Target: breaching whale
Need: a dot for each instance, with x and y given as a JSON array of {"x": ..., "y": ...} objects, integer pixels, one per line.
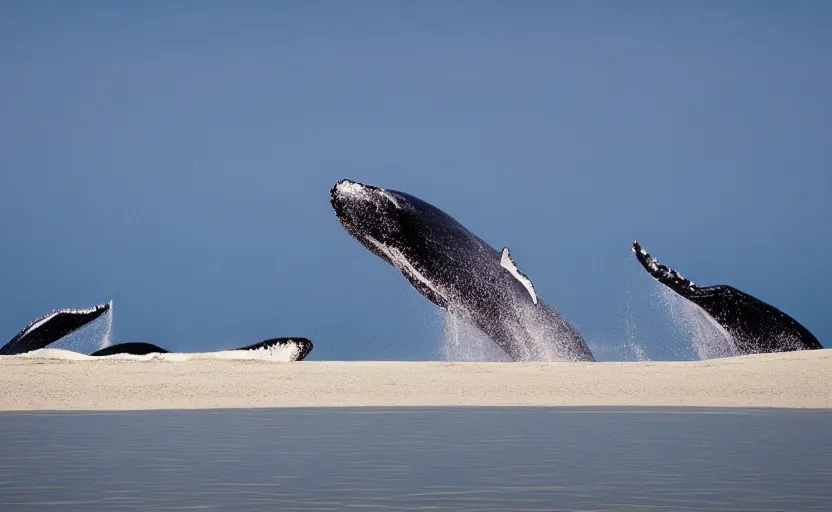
[
  {"x": 302, "y": 347},
  {"x": 457, "y": 271},
  {"x": 754, "y": 326},
  {"x": 50, "y": 328}
]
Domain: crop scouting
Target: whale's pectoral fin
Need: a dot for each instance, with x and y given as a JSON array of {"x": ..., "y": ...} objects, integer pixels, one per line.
[
  {"x": 508, "y": 263},
  {"x": 49, "y": 328},
  {"x": 665, "y": 275}
]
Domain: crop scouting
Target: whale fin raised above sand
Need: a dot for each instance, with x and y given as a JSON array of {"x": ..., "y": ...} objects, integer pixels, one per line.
[
  {"x": 664, "y": 274},
  {"x": 508, "y": 263},
  {"x": 754, "y": 326}
]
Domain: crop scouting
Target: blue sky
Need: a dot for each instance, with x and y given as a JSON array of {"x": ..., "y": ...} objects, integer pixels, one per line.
[{"x": 177, "y": 158}]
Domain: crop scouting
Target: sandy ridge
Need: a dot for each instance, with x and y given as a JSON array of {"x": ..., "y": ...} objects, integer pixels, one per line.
[{"x": 795, "y": 379}]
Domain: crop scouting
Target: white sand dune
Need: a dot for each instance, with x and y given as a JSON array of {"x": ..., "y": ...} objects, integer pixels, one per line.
[{"x": 794, "y": 379}]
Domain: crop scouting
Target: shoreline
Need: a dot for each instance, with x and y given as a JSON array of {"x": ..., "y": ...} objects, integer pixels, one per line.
[{"x": 784, "y": 380}]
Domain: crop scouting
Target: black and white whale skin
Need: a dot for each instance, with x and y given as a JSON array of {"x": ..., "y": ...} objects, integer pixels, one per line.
[
  {"x": 457, "y": 271},
  {"x": 754, "y": 326},
  {"x": 50, "y": 328},
  {"x": 302, "y": 347}
]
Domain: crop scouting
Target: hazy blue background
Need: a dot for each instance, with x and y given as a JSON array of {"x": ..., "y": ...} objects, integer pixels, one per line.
[{"x": 177, "y": 158}]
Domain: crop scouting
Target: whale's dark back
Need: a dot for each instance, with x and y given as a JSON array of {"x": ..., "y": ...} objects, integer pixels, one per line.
[
  {"x": 140, "y": 348},
  {"x": 135, "y": 348},
  {"x": 460, "y": 272},
  {"x": 54, "y": 326},
  {"x": 449, "y": 253}
]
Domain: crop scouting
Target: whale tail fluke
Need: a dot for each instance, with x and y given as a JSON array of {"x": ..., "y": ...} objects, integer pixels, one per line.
[{"x": 664, "y": 274}]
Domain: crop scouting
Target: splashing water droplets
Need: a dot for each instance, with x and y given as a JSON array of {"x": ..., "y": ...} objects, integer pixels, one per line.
[
  {"x": 94, "y": 336},
  {"x": 709, "y": 339},
  {"x": 632, "y": 347},
  {"x": 464, "y": 342},
  {"x": 107, "y": 338}
]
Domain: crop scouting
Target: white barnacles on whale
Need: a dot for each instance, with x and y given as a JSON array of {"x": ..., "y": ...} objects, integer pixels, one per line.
[
  {"x": 353, "y": 190},
  {"x": 653, "y": 265},
  {"x": 349, "y": 188},
  {"x": 508, "y": 263}
]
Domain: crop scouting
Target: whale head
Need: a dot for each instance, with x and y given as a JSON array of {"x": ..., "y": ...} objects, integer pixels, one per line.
[
  {"x": 374, "y": 216},
  {"x": 433, "y": 251}
]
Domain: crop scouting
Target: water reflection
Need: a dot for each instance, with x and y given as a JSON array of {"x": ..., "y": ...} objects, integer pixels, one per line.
[{"x": 506, "y": 459}]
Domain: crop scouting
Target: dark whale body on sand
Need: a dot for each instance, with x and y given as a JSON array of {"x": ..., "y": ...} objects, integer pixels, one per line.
[
  {"x": 754, "y": 326},
  {"x": 50, "y": 328},
  {"x": 303, "y": 347},
  {"x": 136, "y": 348}
]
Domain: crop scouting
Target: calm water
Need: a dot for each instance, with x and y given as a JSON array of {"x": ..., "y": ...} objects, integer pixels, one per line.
[{"x": 506, "y": 459}]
